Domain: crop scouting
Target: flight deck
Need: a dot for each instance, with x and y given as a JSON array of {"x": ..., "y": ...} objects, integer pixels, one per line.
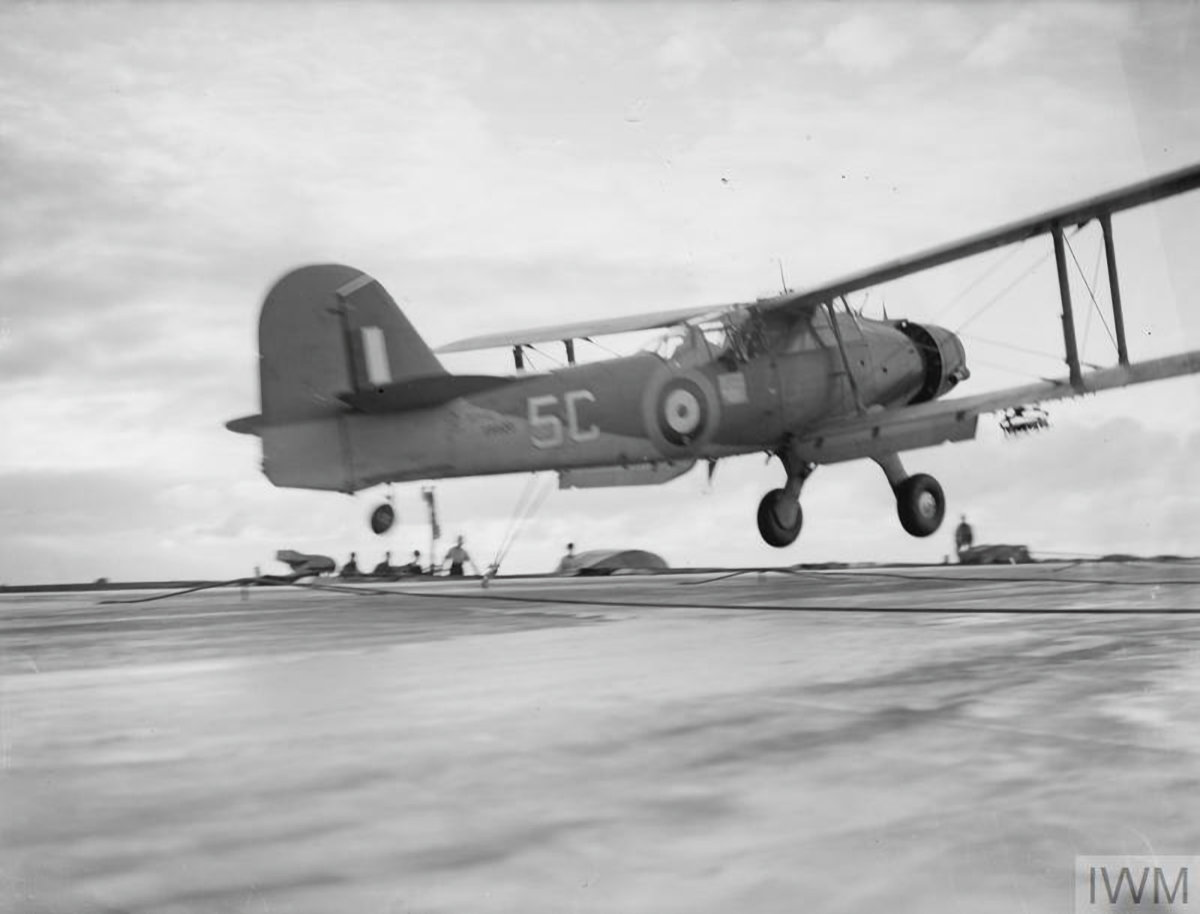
[{"x": 844, "y": 740}]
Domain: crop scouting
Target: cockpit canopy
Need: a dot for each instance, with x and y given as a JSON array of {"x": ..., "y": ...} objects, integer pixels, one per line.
[
  {"x": 690, "y": 343},
  {"x": 741, "y": 335}
]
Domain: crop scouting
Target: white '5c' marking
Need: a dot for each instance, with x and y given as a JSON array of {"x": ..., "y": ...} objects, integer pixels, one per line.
[
  {"x": 570, "y": 398},
  {"x": 546, "y": 429}
]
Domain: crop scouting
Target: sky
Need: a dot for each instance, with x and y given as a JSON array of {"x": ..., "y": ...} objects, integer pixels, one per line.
[{"x": 507, "y": 165}]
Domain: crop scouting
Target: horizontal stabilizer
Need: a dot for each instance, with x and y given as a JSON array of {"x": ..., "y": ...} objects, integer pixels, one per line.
[
  {"x": 420, "y": 393},
  {"x": 246, "y": 425},
  {"x": 645, "y": 474}
]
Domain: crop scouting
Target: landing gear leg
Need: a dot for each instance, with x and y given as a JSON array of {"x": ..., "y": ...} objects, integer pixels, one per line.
[
  {"x": 779, "y": 514},
  {"x": 920, "y": 503}
]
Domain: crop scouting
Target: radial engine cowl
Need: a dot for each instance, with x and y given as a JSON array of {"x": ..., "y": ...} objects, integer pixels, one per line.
[{"x": 944, "y": 358}]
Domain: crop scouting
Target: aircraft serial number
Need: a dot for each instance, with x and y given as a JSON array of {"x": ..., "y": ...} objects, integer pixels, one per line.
[
  {"x": 499, "y": 428},
  {"x": 547, "y": 430}
]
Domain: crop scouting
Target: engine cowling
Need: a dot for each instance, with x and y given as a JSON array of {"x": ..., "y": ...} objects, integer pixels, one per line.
[{"x": 943, "y": 356}]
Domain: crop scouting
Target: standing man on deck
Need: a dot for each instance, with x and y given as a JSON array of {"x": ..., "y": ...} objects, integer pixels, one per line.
[
  {"x": 457, "y": 556},
  {"x": 964, "y": 536},
  {"x": 569, "y": 564}
]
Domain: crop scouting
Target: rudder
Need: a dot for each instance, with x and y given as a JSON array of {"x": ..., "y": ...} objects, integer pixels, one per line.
[{"x": 326, "y": 331}]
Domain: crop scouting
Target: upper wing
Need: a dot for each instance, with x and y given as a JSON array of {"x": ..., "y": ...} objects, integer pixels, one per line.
[
  {"x": 581, "y": 329},
  {"x": 1168, "y": 185},
  {"x": 926, "y": 424}
]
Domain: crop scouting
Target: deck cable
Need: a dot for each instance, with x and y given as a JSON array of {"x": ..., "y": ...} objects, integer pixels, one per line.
[
  {"x": 492, "y": 596},
  {"x": 265, "y": 581},
  {"x": 953, "y": 578}
]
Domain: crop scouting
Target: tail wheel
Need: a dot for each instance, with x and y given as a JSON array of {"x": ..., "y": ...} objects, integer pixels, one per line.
[
  {"x": 920, "y": 504},
  {"x": 382, "y": 518},
  {"x": 779, "y": 518}
]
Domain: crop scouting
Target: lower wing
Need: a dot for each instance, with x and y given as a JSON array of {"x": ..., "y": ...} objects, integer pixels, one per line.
[{"x": 888, "y": 431}]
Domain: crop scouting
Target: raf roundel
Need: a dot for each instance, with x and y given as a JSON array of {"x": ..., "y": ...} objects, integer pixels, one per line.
[{"x": 683, "y": 414}]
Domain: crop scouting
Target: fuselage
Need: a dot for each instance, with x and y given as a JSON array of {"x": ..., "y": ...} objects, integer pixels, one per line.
[{"x": 736, "y": 387}]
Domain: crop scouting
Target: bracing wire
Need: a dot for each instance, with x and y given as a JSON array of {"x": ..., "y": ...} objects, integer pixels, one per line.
[
  {"x": 1037, "y": 352},
  {"x": 1016, "y": 248},
  {"x": 1096, "y": 267},
  {"x": 1091, "y": 294},
  {"x": 588, "y": 339},
  {"x": 1014, "y": 348},
  {"x": 1008, "y": 368},
  {"x": 1087, "y": 326},
  {"x": 999, "y": 295},
  {"x": 545, "y": 355}
]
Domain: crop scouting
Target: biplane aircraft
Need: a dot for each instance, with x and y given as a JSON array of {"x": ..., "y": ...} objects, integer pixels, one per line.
[{"x": 353, "y": 397}]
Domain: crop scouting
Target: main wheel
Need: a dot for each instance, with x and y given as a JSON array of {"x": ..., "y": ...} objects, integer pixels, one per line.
[
  {"x": 382, "y": 518},
  {"x": 920, "y": 504},
  {"x": 779, "y": 519}
]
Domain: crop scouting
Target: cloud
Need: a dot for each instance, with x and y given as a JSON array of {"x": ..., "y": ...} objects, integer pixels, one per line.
[
  {"x": 1006, "y": 41},
  {"x": 684, "y": 56},
  {"x": 865, "y": 42},
  {"x": 162, "y": 166}
]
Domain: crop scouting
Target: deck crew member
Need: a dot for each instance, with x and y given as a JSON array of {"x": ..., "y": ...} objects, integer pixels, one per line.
[
  {"x": 964, "y": 537},
  {"x": 568, "y": 563},
  {"x": 457, "y": 556}
]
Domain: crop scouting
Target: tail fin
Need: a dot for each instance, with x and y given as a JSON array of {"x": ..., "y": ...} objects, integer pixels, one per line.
[
  {"x": 325, "y": 333},
  {"x": 332, "y": 330}
]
